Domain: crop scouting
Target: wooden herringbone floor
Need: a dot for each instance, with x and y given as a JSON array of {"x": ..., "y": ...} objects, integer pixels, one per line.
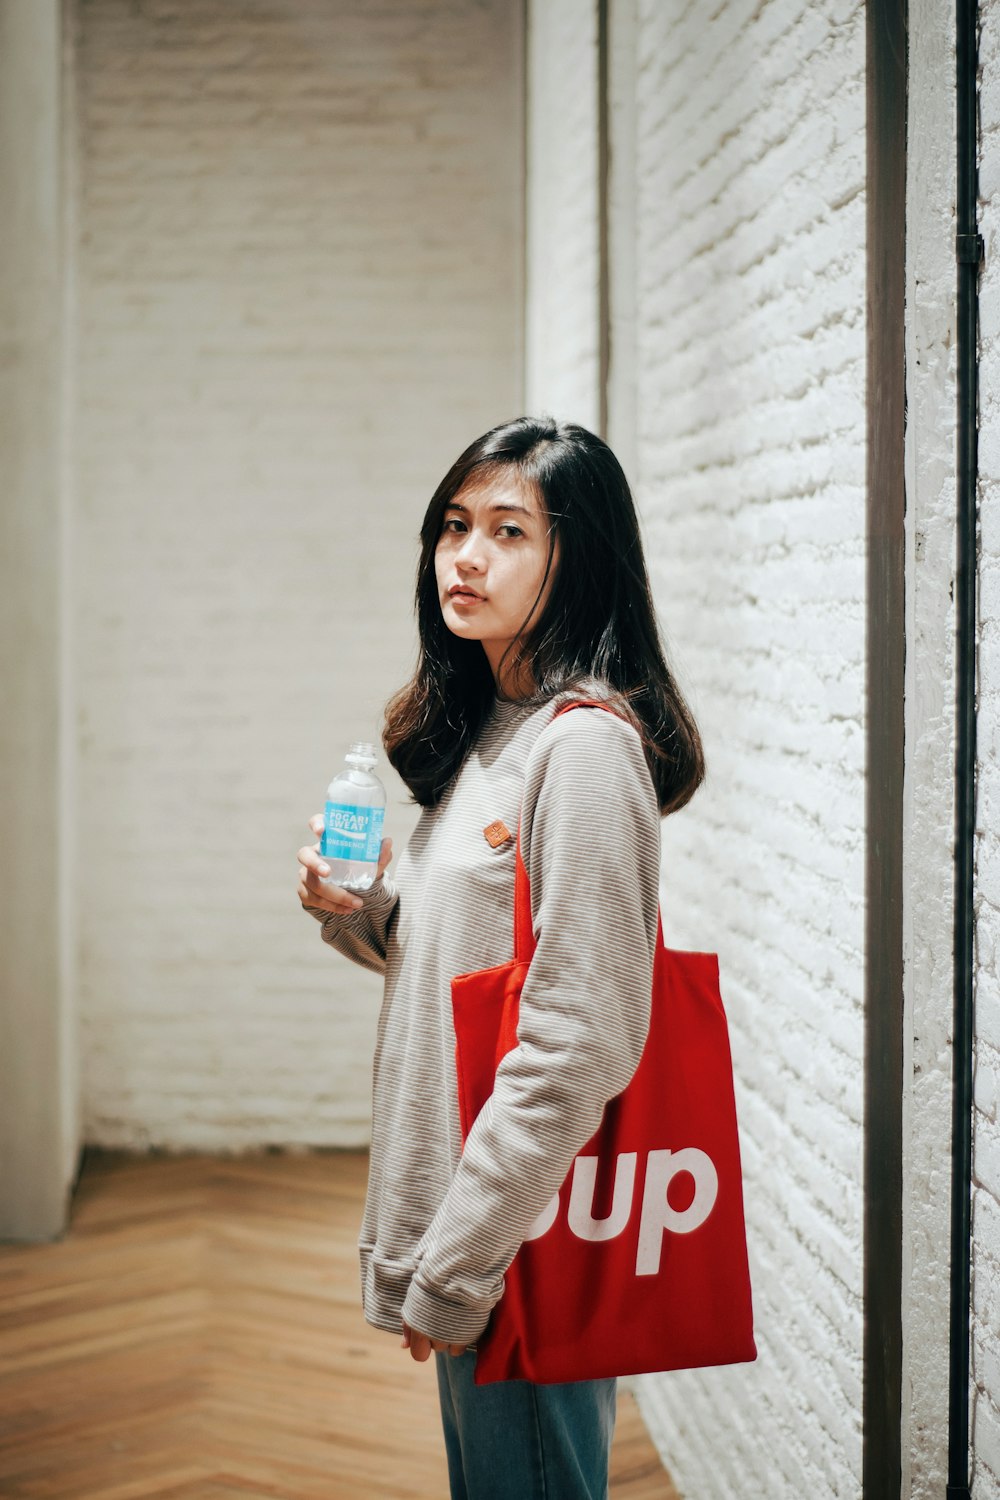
[{"x": 197, "y": 1335}]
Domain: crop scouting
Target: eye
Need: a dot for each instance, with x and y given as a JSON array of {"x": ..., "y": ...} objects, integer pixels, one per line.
[
  {"x": 509, "y": 529},
  {"x": 453, "y": 524}
]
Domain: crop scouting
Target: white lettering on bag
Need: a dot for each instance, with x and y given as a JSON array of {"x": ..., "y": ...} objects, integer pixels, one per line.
[
  {"x": 657, "y": 1215},
  {"x": 581, "y": 1198}
]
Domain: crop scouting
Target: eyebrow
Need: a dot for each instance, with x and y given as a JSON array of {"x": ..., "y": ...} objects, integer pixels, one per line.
[{"x": 517, "y": 510}]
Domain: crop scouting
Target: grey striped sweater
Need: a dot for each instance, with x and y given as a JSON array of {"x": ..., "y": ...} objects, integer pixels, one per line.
[{"x": 441, "y": 1225}]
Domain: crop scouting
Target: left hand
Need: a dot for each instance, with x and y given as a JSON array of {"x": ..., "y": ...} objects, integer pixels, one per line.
[{"x": 420, "y": 1345}]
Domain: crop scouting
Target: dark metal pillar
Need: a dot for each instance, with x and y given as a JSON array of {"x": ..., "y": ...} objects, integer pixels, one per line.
[
  {"x": 968, "y": 248},
  {"x": 886, "y": 22}
]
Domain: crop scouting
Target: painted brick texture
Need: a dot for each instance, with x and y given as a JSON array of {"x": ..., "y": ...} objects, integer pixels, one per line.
[
  {"x": 300, "y": 282},
  {"x": 986, "y": 1147},
  {"x": 750, "y": 319}
]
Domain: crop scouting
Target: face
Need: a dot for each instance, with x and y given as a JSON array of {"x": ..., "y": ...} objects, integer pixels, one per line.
[{"x": 490, "y": 562}]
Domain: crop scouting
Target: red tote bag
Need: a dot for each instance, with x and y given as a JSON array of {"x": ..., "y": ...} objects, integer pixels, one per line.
[{"x": 639, "y": 1263}]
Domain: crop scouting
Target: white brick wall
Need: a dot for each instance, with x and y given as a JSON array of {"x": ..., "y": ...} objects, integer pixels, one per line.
[
  {"x": 300, "y": 283},
  {"x": 747, "y": 193},
  {"x": 750, "y": 317},
  {"x": 986, "y": 1192}
]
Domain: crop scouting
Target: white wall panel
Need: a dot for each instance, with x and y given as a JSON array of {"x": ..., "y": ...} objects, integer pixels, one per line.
[
  {"x": 562, "y": 358},
  {"x": 929, "y": 811},
  {"x": 986, "y": 1143},
  {"x": 40, "y": 1127}
]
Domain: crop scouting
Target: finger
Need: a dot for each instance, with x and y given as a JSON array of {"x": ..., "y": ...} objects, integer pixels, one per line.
[
  {"x": 456, "y": 1349},
  {"x": 310, "y": 856},
  {"x": 313, "y": 892},
  {"x": 406, "y": 1337},
  {"x": 313, "y": 873},
  {"x": 316, "y": 823},
  {"x": 420, "y": 1346},
  {"x": 385, "y": 855}
]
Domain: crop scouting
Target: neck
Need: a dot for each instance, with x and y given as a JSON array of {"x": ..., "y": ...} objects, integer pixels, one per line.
[{"x": 512, "y": 675}]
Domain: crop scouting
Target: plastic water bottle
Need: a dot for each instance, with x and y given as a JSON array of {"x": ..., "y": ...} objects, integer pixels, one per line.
[{"x": 352, "y": 824}]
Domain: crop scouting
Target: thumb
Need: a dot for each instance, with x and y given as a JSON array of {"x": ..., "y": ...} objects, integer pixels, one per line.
[{"x": 385, "y": 855}]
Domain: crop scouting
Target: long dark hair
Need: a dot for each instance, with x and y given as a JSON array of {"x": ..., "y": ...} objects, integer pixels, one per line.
[{"x": 597, "y": 623}]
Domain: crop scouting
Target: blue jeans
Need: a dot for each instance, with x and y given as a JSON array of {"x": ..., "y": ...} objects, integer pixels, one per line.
[{"x": 521, "y": 1441}]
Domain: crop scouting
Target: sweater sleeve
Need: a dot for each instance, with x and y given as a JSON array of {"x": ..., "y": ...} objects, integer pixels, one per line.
[
  {"x": 590, "y": 829},
  {"x": 362, "y": 935}
]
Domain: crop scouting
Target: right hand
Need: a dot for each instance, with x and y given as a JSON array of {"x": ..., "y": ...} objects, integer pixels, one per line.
[{"x": 315, "y": 890}]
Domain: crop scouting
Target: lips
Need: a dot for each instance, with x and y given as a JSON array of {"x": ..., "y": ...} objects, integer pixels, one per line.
[{"x": 463, "y": 595}]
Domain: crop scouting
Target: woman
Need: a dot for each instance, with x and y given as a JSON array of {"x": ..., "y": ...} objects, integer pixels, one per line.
[{"x": 531, "y": 592}]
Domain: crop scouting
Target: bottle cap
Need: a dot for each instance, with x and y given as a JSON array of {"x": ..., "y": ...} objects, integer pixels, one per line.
[{"x": 362, "y": 752}]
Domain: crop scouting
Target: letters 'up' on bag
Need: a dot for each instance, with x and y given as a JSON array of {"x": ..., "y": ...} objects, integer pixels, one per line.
[{"x": 639, "y": 1263}]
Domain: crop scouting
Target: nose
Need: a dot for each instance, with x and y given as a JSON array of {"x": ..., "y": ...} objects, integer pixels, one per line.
[{"x": 470, "y": 554}]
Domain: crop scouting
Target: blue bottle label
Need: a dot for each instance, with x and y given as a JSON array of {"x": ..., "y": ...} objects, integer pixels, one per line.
[{"x": 352, "y": 832}]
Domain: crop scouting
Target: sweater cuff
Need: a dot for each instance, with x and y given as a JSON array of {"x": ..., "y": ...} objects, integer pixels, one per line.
[
  {"x": 377, "y": 898},
  {"x": 452, "y": 1322}
]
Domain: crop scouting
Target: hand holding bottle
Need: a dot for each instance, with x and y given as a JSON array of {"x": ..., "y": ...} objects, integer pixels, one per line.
[
  {"x": 352, "y": 853},
  {"x": 315, "y": 888}
]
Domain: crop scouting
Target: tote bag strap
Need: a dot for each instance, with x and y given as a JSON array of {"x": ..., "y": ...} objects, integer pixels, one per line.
[{"x": 524, "y": 937}]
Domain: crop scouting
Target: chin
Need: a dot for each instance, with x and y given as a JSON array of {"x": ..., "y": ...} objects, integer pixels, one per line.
[{"x": 464, "y": 628}]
